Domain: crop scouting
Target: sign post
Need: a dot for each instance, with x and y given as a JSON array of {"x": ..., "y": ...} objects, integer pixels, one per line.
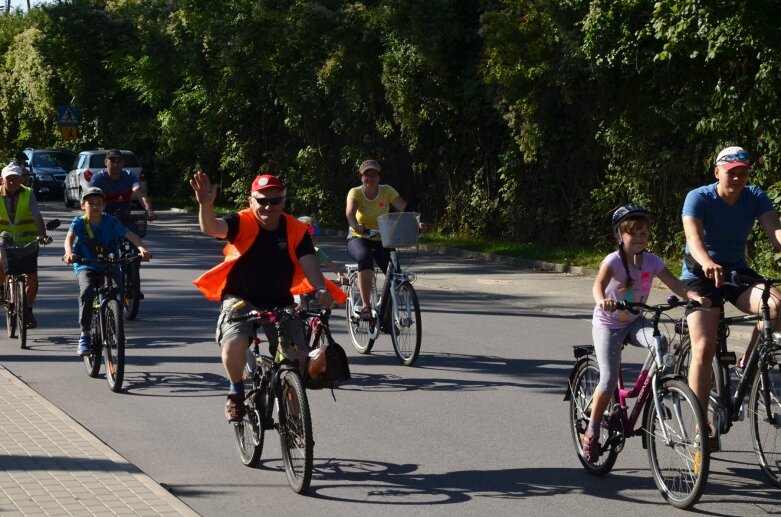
[{"x": 68, "y": 119}]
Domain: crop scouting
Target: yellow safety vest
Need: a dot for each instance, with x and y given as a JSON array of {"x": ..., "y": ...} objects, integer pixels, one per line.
[{"x": 23, "y": 227}]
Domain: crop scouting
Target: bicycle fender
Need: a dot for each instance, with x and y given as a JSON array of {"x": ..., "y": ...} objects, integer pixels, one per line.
[{"x": 574, "y": 371}]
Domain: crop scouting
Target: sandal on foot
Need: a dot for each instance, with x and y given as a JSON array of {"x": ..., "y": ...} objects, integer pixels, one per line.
[{"x": 591, "y": 448}]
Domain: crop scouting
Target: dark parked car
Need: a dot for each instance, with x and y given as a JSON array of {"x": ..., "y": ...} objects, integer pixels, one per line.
[{"x": 49, "y": 168}]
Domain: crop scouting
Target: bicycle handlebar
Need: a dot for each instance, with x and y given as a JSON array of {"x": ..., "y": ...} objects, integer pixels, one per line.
[
  {"x": 672, "y": 303},
  {"x": 110, "y": 260}
]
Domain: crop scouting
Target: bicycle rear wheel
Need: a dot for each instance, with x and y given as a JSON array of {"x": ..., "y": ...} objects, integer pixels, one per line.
[
  {"x": 114, "y": 346},
  {"x": 295, "y": 432},
  {"x": 766, "y": 419},
  {"x": 10, "y": 316},
  {"x": 405, "y": 328},
  {"x": 131, "y": 292},
  {"x": 679, "y": 463},
  {"x": 361, "y": 331},
  {"x": 583, "y": 386},
  {"x": 20, "y": 306}
]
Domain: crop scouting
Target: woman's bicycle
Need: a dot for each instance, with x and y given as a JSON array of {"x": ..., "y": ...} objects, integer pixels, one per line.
[
  {"x": 277, "y": 394},
  {"x": 108, "y": 329},
  {"x": 760, "y": 379},
  {"x": 20, "y": 260},
  {"x": 671, "y": 417},
  {"x": 396, "y": 311}
]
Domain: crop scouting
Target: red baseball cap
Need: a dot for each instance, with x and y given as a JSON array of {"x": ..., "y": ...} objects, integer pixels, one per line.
[{"x": 266, "y": 181}]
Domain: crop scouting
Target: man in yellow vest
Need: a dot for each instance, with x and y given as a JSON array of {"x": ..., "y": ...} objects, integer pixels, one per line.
[
  {"x": 268, "y": 259},
  {"x": 21, "y": 217}
]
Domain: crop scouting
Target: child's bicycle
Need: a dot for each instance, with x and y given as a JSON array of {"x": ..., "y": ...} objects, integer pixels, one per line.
[
  {"x": 671, "y": 417},
  {"x": 277, "y": 391},
  {"x": 108, "y": 329}
]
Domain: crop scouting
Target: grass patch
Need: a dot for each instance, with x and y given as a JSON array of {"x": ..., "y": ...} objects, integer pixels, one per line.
[{"x": 559, "y": 254}]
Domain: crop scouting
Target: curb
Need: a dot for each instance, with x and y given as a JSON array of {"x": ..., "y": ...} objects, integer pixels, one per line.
[{"x": 518, "y": 262}]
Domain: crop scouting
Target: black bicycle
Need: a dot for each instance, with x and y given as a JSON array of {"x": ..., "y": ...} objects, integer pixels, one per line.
[
  {"x": 20, "y": 260},
  {"x": 131, "y": 273},
  {"x": 760, "y": 379},
  {"x": 108, "y": 329},
  {"x": 277, "y": 392}
]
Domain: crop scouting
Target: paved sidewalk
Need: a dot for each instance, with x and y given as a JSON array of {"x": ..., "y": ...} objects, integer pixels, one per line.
[{"x": 51, "y": 465}]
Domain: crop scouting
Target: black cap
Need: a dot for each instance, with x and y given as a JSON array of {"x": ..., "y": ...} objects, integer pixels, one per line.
[
  {"x": 93, "y": 191},
  {"x": 114, "y": 153},
  {"x": 20, "y": 155}
]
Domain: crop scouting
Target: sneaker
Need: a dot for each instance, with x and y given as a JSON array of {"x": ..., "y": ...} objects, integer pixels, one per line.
[
  {"x": 29, "y": 320},
  {"x": 591, "y": 448},
  {"x": 234, "y": 407},
  {"x": 84, "y": 345}
]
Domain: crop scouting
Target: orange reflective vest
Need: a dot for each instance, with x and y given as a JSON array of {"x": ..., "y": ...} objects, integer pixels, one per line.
[{"x": 212, "y": 283}]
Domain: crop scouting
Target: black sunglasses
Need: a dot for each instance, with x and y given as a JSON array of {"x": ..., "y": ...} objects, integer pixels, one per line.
[{"x": 265, "y": 201}]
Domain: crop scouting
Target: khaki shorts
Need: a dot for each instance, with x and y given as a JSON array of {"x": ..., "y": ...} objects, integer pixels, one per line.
[{"x": 227, "y": 330}]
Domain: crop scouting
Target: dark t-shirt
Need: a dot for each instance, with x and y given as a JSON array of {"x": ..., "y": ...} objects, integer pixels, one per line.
[{"x": 262, "y": 276}]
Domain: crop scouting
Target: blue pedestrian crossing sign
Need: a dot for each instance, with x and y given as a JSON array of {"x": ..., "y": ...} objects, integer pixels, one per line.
[{"x": 67, "y": 116}]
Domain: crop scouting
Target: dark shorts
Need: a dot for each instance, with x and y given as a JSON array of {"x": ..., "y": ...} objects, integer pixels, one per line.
[
  {"x": 727, "y": 292},
  {"x": 366, "y": 252}
]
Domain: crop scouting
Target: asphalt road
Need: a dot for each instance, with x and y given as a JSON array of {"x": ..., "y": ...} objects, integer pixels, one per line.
[{"x": 477, "y": 426}]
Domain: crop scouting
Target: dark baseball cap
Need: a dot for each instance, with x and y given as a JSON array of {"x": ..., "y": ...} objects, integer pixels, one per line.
[
  {"x": 114, "y": 153},
  {"x": 93, "y": 191}
]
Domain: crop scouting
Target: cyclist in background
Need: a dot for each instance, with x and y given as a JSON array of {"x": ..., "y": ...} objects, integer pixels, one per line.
[
  {"x": 118, "y": 184},
  {"x": 90, "y": 235},
  {"x": 21, "y": 217},
  {"x": 364, "y": 205},
  {"x": 626, "y": 274},
  {"x": 717, "y": 220},
  {"x": 322, "y": 257},
  {"x": 27, "y": 175},
  {"x": 268, "y": 259}
]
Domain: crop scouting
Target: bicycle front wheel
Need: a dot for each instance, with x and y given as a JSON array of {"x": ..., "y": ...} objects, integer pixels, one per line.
[
  {"x": 93, "y": 360},
  {"x": 114, "y": 346},
  {"x": 583, "y": 386},
  {"x": 361, "y": 331},
  {"x": 295, "y": 432},
  {"x": 131, "y": 292},
  {"x": 679, "y": 455},
  {"x": 765, "y": 407},
  {"x": 405, "y": 328},
  {"x": 249, "y": 435},
  {"x": 10, "y": 316},
  {"x": 20, "y": 306}
]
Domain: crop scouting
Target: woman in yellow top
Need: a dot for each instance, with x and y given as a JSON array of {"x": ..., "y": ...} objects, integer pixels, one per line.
[{"x": 364, "y": 205}]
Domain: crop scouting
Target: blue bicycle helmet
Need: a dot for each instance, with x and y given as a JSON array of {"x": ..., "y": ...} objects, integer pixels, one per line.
[{"x": 632, "y": 210}]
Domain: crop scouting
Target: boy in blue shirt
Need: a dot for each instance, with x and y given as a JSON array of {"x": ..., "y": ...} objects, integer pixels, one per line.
[{"x": 89, "y": 235}]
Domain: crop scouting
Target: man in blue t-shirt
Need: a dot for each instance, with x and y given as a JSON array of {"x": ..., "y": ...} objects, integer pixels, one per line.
[
  {"x": 119, "y": 184},
  {"x": 717, "y": 220}
]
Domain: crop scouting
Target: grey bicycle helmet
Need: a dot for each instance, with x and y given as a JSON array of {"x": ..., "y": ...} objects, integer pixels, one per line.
[{"x": 631, "y": 210}]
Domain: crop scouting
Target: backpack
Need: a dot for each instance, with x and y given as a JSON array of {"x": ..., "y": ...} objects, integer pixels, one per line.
[{"x": 326, "y": 366}]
